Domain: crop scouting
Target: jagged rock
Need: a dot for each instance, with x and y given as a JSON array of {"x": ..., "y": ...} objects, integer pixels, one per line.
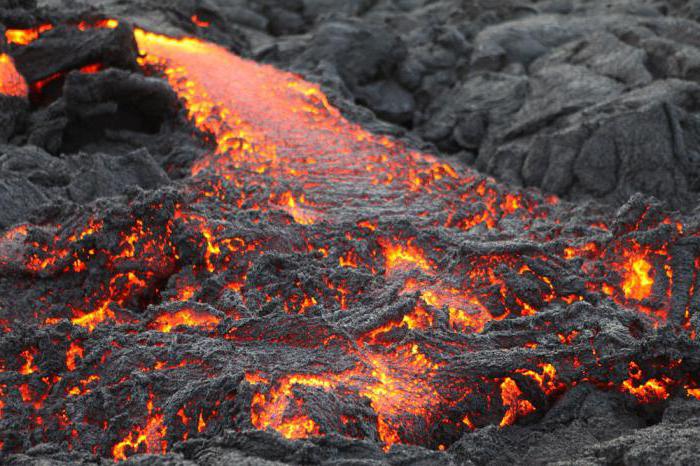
[
  {"x": 98, "y": 175},
  {"x": 388, "y": 100},
  {"x": 18, "y": 197},
  {"x": 34, "y": 177},
  {"x": 13, "y": 113},
  {"x": 69, "y": 49},
  {"x": 468, "y": 112},
  {"x": 361, "y": 53}
]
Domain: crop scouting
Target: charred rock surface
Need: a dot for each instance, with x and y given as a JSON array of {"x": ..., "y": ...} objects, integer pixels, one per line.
[{"x": 204, "y": 261}]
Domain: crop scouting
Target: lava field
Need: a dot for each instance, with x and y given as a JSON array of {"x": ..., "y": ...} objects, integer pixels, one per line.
[{"x": 381, "y": 232}]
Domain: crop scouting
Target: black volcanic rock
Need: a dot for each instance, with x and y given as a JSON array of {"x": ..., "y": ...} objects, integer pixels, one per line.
[
  {"x": 593, "y": 101},
  {"x": 660, "y": 444},
  {"x": 19, "y": 197},
  {"x": 360, "y": 54},
  {"x": 464, "y": 115},
  {"x": 69, "y": 48},
  {"x": 13, "y": 113},
  {"x": 112, "y": 101},
  {"x": 98, "y": 175},
  {"x": 32, "y": 177}
]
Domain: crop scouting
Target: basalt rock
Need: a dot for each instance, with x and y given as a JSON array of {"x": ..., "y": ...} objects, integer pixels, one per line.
[
  {"x": 62, "y": 50},
  {"x": 207, "y": 260},
  {"x": 32, "y": 177}
]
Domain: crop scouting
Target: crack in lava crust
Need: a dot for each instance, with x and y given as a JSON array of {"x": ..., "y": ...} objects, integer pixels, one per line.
[{"x": 314, "y": 278}]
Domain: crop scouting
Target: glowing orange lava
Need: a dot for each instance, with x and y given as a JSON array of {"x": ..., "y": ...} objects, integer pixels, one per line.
[
  {"x": 280, "y": 152},
  {"x": 189, "y": 317},
  {"x": 149, "y": 439},
  {"x": 515, "y": 406},
  {"x": 649, "y": 391},
  {"x": 200, "y": 22},
  {"x": 638, "y": 281},
  {"x": 400, "y": 256},
  {"x": 26, "y": 36},
  {"x": 11, "y": 82},
  {"x": 74, "y": 351}
]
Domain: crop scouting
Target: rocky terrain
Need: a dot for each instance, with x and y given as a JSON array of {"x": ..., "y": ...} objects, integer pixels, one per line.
[{"x": 474, "y": 242}]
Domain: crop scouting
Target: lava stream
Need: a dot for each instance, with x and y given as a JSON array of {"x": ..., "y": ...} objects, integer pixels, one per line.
[{"x": 336, "y": 270}]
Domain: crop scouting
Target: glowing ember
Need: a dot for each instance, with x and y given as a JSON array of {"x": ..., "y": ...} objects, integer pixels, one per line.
[
  {"x": 167, "y": 322},
  {"x": 399, "y": 256},
  {"x": 268, "y": 410},
  {"x": 28, "y": 367},
  {"x": 638, "y": 282},
  {"x": 11, "y": 82},
  {"x": 200, "y": 22},
  {"x": 649, "y": 391},
  {"x": 26, "y": 36},
  {"x": 149, "y": 439},
  {"x": 515, "y": 406},
  {"x": 74, "y": 351}
]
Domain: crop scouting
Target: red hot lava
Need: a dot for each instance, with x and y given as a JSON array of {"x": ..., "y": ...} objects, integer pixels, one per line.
[{"x": 357, "y": 285}]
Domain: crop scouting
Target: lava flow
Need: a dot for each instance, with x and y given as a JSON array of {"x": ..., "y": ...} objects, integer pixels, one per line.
[{"x": 311, "y": 278}]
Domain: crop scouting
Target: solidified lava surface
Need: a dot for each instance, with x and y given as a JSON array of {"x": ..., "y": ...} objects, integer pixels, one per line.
[{"x": 225, "y": 267}]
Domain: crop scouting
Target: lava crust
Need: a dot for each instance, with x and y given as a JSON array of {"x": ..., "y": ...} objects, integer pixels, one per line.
[{"x": 206, "y": 259}]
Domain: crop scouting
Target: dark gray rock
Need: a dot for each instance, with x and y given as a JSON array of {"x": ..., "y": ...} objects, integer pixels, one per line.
[
  {"x": 97, "y": 175},
  {"x": 388, "y": 100},
  {"x": 635, "y": 142},
  {"x": 660, "y": 444},
  {"x": 31, "y": 177},
  {"x": 469, "y": 110},
  {"x": 523, "y": 41},
  {"x": 69, "y": 49},
  {"x": 13, "y": 113},
  {"x": 603, "y": 54},
  {"x": 18, "y": 198},
  {"x": 361, "y": 53}
]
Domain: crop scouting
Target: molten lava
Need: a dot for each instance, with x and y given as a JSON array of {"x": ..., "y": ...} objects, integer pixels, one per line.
[
  {"x": 515, "y": 406},
  {"x": 26, "y": 36},
  {"x": 167, "y": 322},
  {"x": 11, "y": 82},
  {"x": 149, "y": 439},
  {"x": 638, "y": 282},
  {"x": 352, "y": 285}
]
